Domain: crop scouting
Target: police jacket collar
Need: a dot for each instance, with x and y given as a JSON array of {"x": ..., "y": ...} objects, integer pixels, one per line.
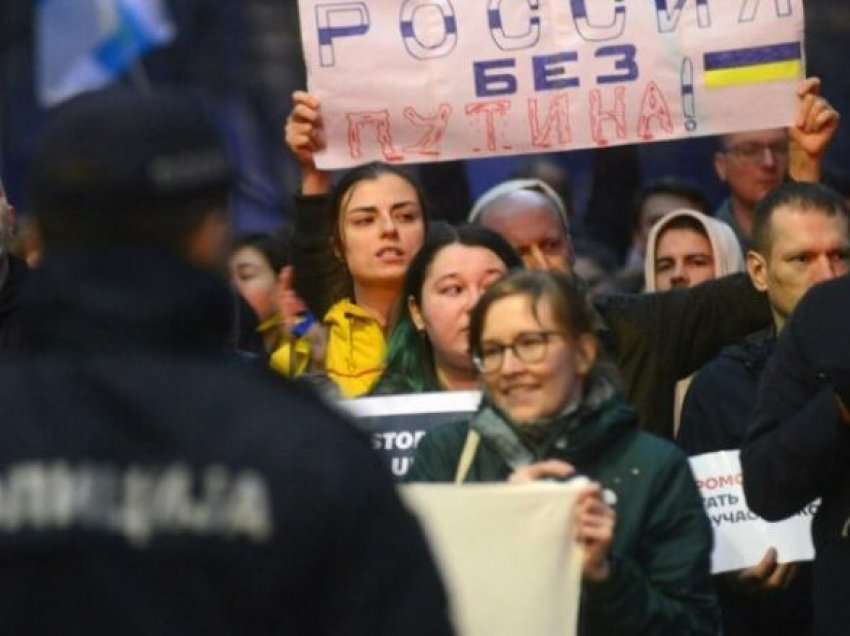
[{"x": 120, "y": 299}]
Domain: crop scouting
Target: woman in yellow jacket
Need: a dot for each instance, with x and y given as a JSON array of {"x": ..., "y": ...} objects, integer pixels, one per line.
[
  {"x": 351, "y": 251},
  {"x": 350, "y": 268}
]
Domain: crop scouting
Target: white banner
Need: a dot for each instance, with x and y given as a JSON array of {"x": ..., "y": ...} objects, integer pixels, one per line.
[
  {"x": 506, "y": 552},
  {"x": 409, "y": 81},
  {"x": 741, "y": 537}
]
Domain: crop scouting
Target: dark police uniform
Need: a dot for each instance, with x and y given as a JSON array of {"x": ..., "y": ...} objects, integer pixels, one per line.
[
  {"x": 151, "y": 481},
  {"x": 152, "y": 484}
]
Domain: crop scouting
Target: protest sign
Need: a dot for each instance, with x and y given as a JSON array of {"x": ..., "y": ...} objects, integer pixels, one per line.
[
  {"x": 397, "y": 423},
  {"x": 407, "y": 81},
  {"x": 741, "y": 537},
  {"x": 506, "y": 554}
]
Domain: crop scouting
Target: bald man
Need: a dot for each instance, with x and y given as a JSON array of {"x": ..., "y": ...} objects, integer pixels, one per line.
[{"x": 534, "y": 220}]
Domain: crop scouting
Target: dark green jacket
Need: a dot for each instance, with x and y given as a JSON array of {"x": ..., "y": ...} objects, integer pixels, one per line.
[{"x": 660, "y": 581}]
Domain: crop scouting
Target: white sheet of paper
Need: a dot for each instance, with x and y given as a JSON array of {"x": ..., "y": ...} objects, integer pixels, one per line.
[
  {"x": 407, "y": 81},
  {"x": 741, "y": 537},
  {"x": 506, "y": 552}
]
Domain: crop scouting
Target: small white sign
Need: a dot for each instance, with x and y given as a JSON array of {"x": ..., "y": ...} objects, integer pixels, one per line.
[{"x": 741, "y": 537}]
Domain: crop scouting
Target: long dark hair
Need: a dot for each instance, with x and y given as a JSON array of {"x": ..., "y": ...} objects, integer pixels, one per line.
[
  {"x": 410, "y": 357},
  {"x": 367, "y": 172}
]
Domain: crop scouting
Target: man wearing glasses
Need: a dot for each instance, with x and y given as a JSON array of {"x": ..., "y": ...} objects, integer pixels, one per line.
[{"x": 754, "y": 163}]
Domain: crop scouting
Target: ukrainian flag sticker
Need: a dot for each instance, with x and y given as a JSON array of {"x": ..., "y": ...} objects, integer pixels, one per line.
[{"x": 755, "y": 65}]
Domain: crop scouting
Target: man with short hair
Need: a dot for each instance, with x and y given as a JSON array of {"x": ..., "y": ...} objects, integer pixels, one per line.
[
  {"x": 751, "y": 164},
  {"x": 12, "y": 273},
  {"x": 151, "y": 483},
  {"x": 800, "y": 238}
]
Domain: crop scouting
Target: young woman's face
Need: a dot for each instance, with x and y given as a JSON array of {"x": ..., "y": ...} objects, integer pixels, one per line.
[
  {"x": 381, "y": 227},
  {"x": 455, "y": 280},
  {"x": 555, "y": 364},
  {"x": 253, "y": 276}
]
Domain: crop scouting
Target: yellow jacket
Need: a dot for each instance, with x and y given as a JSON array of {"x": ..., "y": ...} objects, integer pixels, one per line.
[
  {"x": 356, "y": 347},
  {"x": 280, "y": 360}
]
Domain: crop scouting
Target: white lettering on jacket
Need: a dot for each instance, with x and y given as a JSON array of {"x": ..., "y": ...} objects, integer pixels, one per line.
[{"x": 137, "y": 502}]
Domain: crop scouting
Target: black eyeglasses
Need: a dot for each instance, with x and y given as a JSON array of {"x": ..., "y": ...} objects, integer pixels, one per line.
[
  {"x": 753, "y": 152},
  {"x": 528, "y": 347}
]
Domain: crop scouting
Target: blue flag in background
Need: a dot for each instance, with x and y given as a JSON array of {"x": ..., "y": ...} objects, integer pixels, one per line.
[{"x": 83, "y": 45}]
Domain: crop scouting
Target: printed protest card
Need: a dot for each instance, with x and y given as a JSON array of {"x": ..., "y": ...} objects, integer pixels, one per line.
[
  {"x": 741, "y": 537},
  {"x": 396, "y": 424}
]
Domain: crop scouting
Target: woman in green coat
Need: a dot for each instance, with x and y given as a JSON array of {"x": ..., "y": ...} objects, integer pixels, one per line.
[{"x": 549, "y": 410}]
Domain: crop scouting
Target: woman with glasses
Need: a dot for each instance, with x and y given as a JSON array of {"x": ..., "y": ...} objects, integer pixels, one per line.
[{"x": 549, "y": 411}]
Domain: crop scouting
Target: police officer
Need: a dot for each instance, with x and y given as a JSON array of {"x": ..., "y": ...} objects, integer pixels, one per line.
[{"x": 149, "y": 482}]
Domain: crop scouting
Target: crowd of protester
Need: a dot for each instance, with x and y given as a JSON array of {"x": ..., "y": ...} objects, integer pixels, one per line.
[{"x": 615, "y": 371}]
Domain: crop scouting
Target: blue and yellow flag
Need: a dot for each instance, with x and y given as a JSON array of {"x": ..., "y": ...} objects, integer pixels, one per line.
[{"x": 754, "y": 65}]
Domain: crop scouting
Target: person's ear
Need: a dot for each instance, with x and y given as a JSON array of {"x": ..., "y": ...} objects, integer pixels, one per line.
[
  {"x": 206, "y": 246},
  {"x": 336, "y": 248},
  {"x": 415, "y": 314},
  {"x": 720, "y": 165},
  {"x": 757, "y": 269},
  {"x": 587, "y": 349}
]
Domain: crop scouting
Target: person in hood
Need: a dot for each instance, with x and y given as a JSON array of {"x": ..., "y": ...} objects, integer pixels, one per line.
[
  {"x": 686, "y": 248},
  {"x": 549, "y": 410},
  {"x": 152, "y": 484}
]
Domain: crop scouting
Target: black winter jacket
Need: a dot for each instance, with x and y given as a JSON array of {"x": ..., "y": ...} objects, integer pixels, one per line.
[
  {"x": 153, "y": 484},
  {"x": 798, "y": 447},
  {"x": 721, "y": 398},
  {"x": 716, "y": 414}
]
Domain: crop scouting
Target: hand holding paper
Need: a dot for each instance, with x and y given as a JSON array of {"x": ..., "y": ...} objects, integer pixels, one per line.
[
  {"x": 765, "y": 576},
  {"x": 304, "y": 135},
  {"x": 551, "y": 468},
  {"x": 595, "y": 522}
]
